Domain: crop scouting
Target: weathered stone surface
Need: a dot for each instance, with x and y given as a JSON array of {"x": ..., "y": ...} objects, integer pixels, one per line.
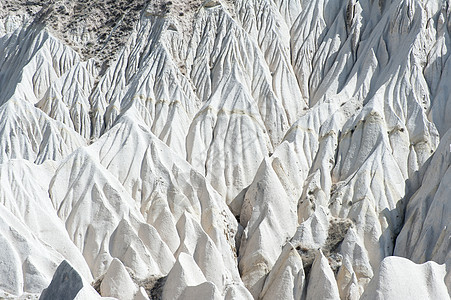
[{"x": 227, "y": 149}]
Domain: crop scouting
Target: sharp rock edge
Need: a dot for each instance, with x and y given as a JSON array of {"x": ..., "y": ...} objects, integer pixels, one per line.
[{"x": 245, "y": 149}]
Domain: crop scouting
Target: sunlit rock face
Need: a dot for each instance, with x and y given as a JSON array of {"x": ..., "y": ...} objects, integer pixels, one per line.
[{"x": 229, "y": 149}]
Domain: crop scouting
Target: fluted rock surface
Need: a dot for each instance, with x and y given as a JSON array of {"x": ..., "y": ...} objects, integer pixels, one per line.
[{"x": 229, "y": 149}]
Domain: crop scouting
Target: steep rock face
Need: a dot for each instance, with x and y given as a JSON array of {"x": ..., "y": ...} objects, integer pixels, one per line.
[
  {"x": 68, "y": 284},
  {"x": 28, "y": 133},
  {"x": 225, "y": 149},
  {"x": 34, "y": 240},
  {"x": 425, "y": 235}
]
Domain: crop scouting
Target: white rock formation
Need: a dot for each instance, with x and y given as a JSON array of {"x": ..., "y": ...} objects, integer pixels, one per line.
[
  {"x": 117, "y": 282},
  {"x": 426, "y": 232},
  {"x": 229, "y": 149},
  {"x": 323, "y": 285},
  {"x": 390, "y": 281}
]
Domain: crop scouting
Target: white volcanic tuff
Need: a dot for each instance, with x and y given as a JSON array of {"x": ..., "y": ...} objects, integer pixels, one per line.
[
  {"x": 227, "y": 142},
  {"x": 381, "y": 64},
  {"x": 289, "y": 9},
  {"x": 145, "y": 78},
  {"x": 176, "y": 200},
  {"x": 245, "y": 100},
  {"x": 342, "y": 69},
  {"x": 275, "y": 190},
  {"x": 318, "y": 187},
  {"x": 37, "y": 67},
  {"x": 407, "y": 151},
  {"x": 273, "y": 219},
  {"x": 34, "y": 238},
  {"x": 30, "y": 60},
  {"x": 102, "y": 219},
  {"x": 161, "y": 173},
  {"x": 390, "y": 283},
  {"x": 304, "y": 43},
  {"x": 286, "y": 279},
  {"x": 373, "y": 209},
  {"x": 348, "y": 255},
  {"x": 259, "y": 18},
  {"x": 356, "y": 270},
  {"x": 317, "y": 36},
  {"x": 326, "y": 40},
  {"x": 214, "y": 143},
  {"x": 406, "y": 98},
  {"x": 117, "y": 282},
  {"x": 384, "y": 162},
  {"x": 110, "y": 226},
  {"x": 426, "y": 232},
  {"x": 187, "y": 281},
  {"x": 441, "y": 109},
  {"x": 313, "y": 232},
  {"x": 198, "y": 245},
  {"x": 227, "y": 54},
  {"x": 422, "y": 138},
  {"x": 436, "y": 70},
  {"x": 377, "y": 171},
  {"x": 318, "y": 182},
  {"x": 323, "y": 284},
  {"x": 67, "y": 98},
  {"x": 27, "y": 264},
  {"x": 183, "y": 275},
  {"x": 28, "y": 133}
]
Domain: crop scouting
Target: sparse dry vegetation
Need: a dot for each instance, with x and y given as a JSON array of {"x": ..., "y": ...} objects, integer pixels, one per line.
[
  {"x": 152, "y": 285},
  {"x": 93, "y": 28},
  {"x": 99, "y": 28},
  {"x": 336, "y": 233}
]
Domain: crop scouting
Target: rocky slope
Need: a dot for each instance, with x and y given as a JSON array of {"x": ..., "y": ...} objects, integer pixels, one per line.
[{"x": 245, "y": 149}]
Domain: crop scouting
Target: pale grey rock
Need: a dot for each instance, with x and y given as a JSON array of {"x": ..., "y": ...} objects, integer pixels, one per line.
[
  {"x": 68, "y": 284},
  {"x": 141, "y": 295}
]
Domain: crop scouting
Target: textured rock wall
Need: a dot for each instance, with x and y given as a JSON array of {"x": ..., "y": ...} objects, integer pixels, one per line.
[{"x": 258, "y": 149}]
